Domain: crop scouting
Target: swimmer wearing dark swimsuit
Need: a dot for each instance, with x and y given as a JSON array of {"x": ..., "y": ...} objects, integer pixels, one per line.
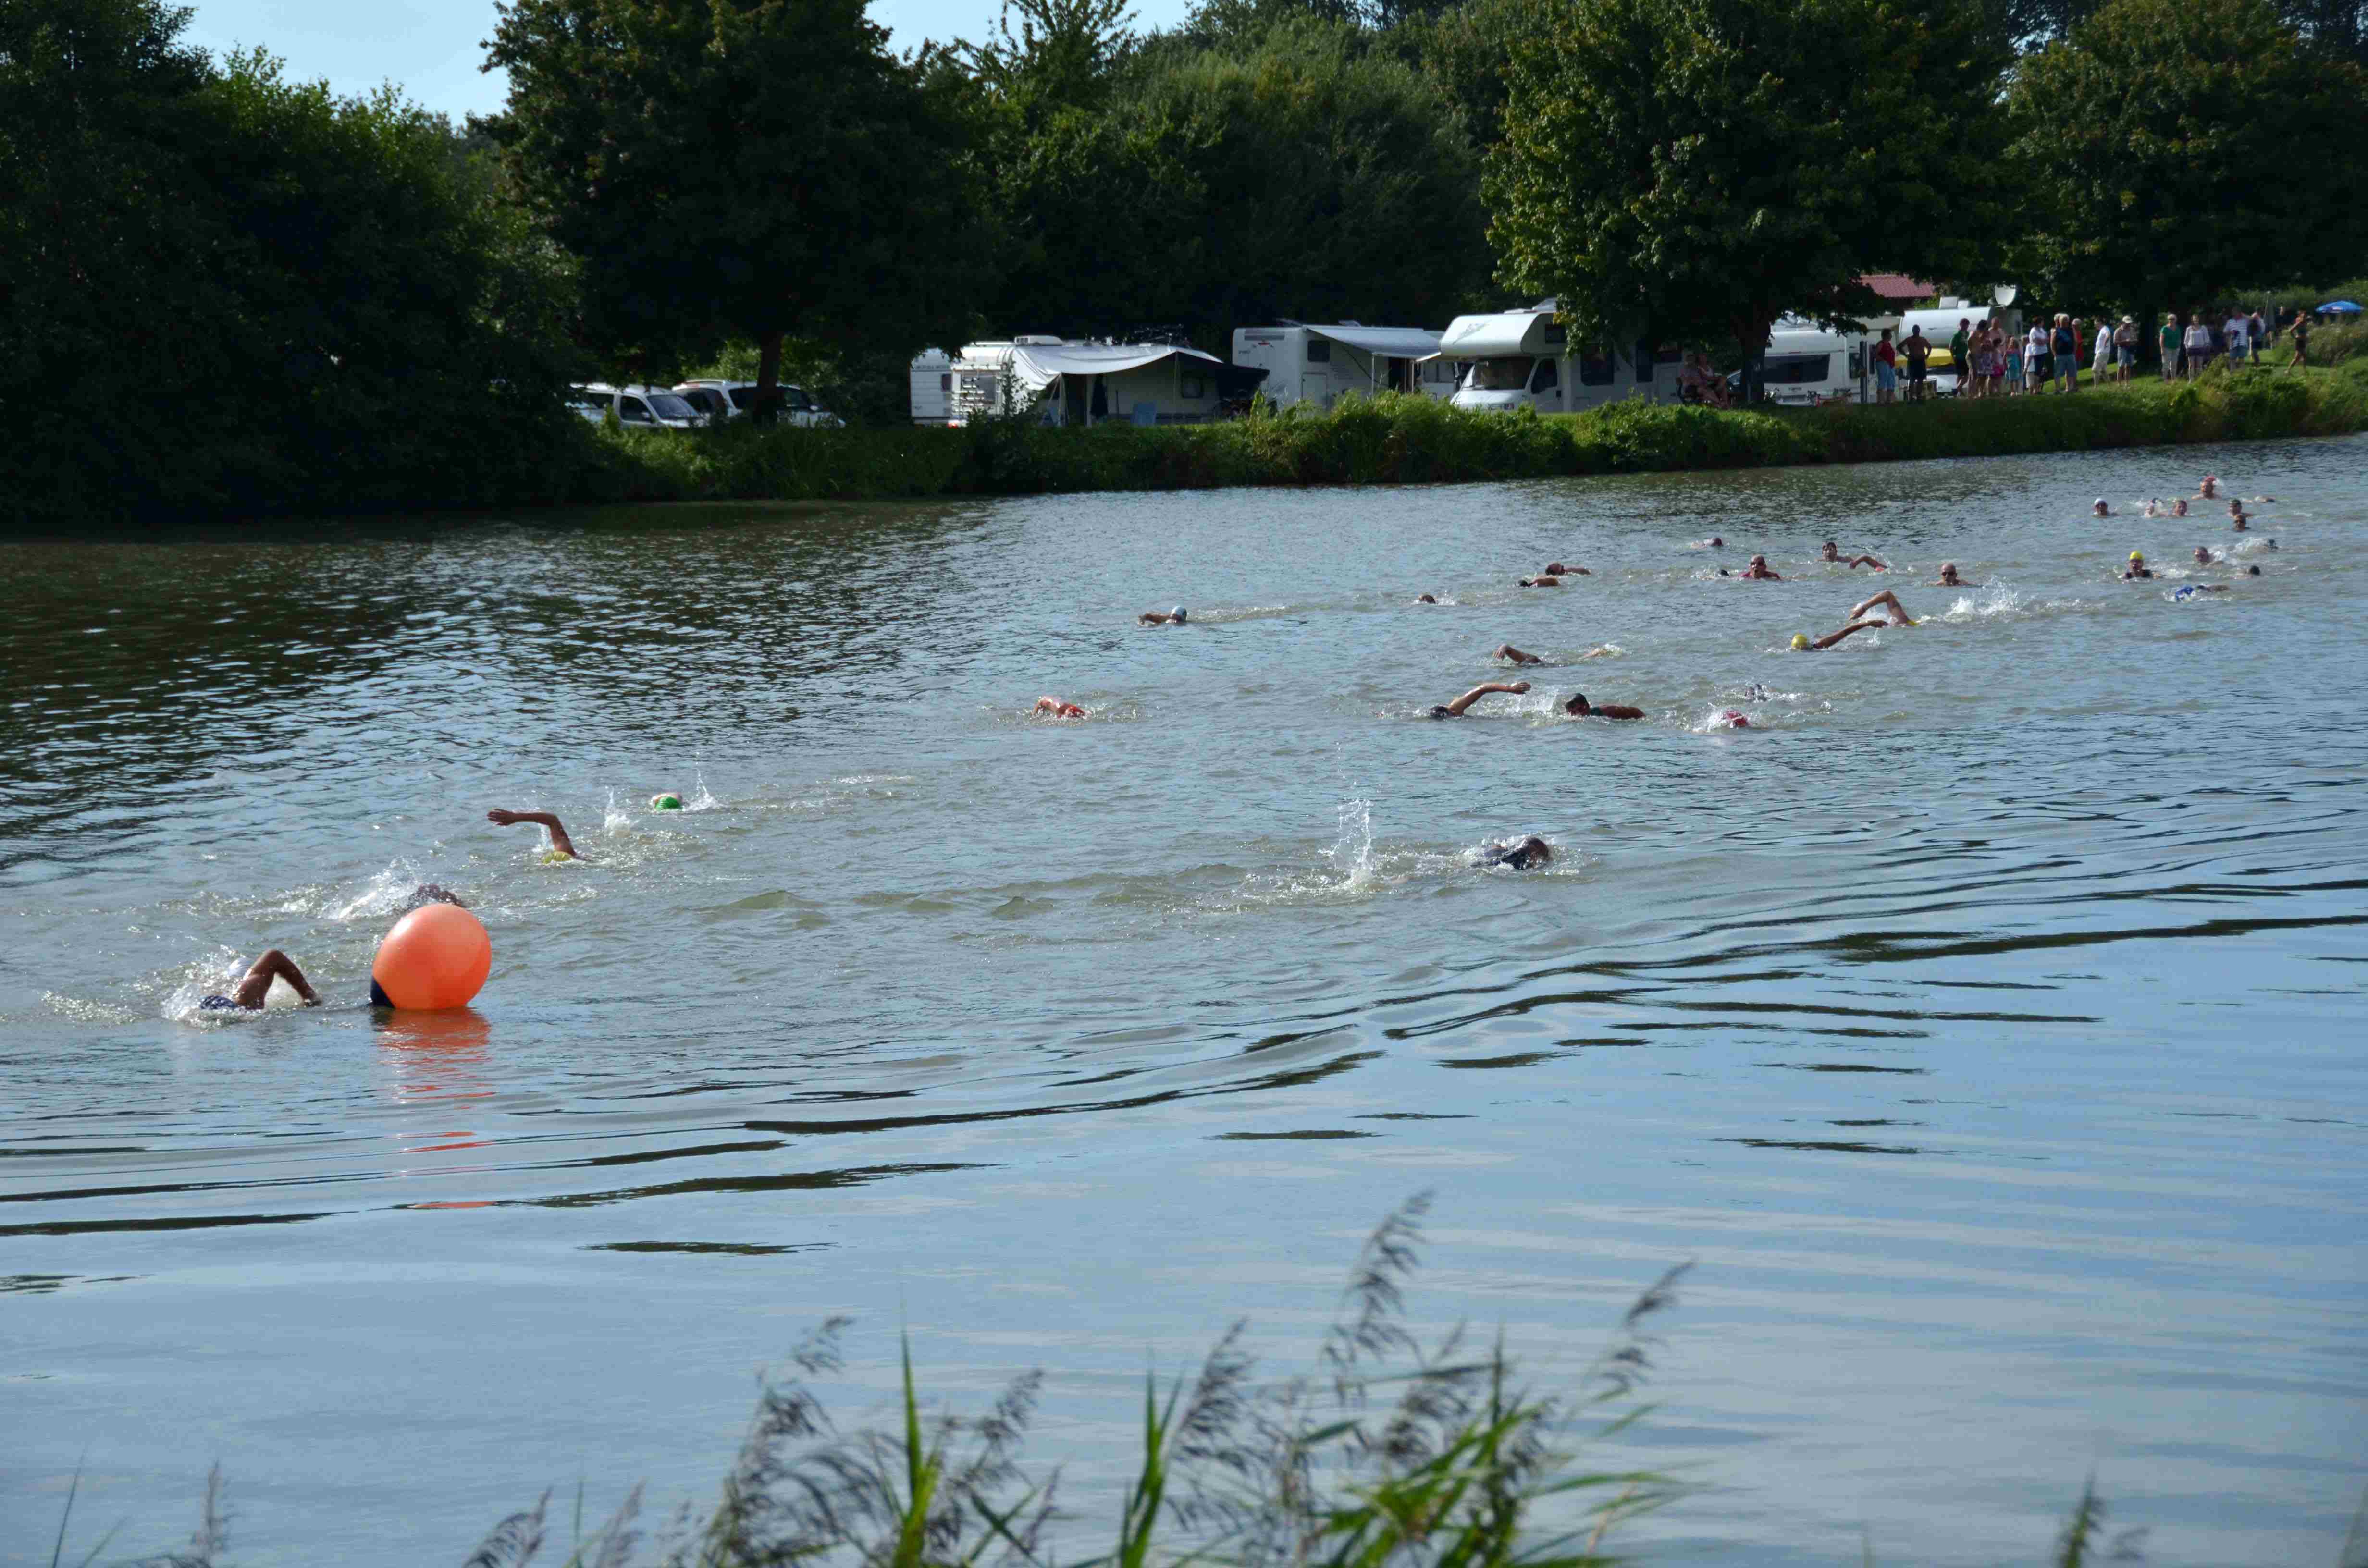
[
  {"x": 1580, "y": 708},
  {"x": 1529, "y": 852}
]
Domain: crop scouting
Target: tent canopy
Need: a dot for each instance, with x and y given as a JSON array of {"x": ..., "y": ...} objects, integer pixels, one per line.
[
  {"x": 1387, "y": 342},
  {"x": 1037, "y": 366}
]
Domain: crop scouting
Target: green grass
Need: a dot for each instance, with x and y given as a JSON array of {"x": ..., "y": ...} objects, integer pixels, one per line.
[{"x": 1395, "y": 439}]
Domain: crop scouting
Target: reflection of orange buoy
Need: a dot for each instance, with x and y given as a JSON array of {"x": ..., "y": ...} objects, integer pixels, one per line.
[{"x": 436, "y": 957}]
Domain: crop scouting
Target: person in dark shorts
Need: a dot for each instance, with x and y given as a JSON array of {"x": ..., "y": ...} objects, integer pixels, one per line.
[{"x": 1918, "y": 350}]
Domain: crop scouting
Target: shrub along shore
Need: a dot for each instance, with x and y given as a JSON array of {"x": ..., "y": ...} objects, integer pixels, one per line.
[{"x": 1395, "y": 439}]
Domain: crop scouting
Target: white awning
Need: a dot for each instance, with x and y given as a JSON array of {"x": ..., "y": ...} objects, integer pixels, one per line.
[
  {"x": 1389, "y": 342},
  {"x": 1036, "y": 367}
]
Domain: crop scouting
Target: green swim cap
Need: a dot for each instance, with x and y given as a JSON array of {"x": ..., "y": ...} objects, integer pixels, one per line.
[
  {"x": 666, "y": 802},
  {"x": 1800, "y": 641}
]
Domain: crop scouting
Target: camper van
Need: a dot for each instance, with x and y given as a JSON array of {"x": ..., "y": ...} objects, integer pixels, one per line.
[
  {"x": 1806, "y": 364},
  {"x": 1076, "y": 383},
  {"x": 1310, "y": 364},
  {"x": 1525, "y": 360}
]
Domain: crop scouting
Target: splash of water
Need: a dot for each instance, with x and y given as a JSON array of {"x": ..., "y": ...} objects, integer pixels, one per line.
[
  {"x": 1351, "y": 853},
  {"x": 614, "y": 821},
  {"x": 701, "y": 799},
  {"x": 387, "y": 891}
]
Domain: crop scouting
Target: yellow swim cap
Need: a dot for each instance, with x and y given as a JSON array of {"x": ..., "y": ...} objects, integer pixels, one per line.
[
  {"x": 1800, "y": 641},
  {"x": 2136, "y": 556}
]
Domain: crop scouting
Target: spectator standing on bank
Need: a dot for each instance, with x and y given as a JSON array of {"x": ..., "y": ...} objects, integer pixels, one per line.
[
  {"x": 2198, "y": 344},
  {"x": 2100, "y": 358},
  {"x": 2064, "y": 350},
  {"x": 1918, "y": 350},
  {"x": 2034, "y": 359},
  {"x": 2010, "y": 360},
  {"x": 1961, "y": 352},
  {"x": 1886, "y": 370},
  {"x": 2167, "y": 338},
  {"x": 2239, "y": 331},
  {"x": 2125, "y": 349},
  {"x": 2301, "y": 340}
]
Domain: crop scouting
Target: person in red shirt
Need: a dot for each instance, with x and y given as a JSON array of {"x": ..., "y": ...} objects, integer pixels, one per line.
[{"x": 1886, "y": 370}]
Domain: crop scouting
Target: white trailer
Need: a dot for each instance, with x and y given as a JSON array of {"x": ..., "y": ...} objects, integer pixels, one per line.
[
  {"x": 1075, "y": 383},
  {"x": 1806, "y": 364},
  {"x": 1525, "y": 360},
  {"x": 1311, "y": 364}
]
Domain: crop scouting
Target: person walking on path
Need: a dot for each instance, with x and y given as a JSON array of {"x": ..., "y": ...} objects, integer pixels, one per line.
[{"x": 2301, "y": 340}]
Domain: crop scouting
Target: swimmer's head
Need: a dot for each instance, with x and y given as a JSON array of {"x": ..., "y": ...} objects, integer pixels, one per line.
[
  {"x": 2098, "y": 507},
  {"x": 2179, "y": 507},
  {"x": 2252, "y": 571},
  {"x": 1947, "y": 571},
  {"x": 1800, "y": 642},
  {"x": 1425, "y": 600},
  {"x": 2137, "y": 556},
  {"x": 1177, "y": 615},
  {"x": 1555, "y": 569},
  {"x": 1830, "y": 550},
  {"x": 1577, "y": 706},
  {"x": 666, "y": 801},
  {"x": 1716, "y": 542}
]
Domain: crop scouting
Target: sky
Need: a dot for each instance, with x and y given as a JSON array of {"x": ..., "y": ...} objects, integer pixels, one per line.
[{"x": 432, "y": 49}]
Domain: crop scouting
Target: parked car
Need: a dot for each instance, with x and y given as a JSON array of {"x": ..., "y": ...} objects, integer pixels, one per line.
[
  {"x": 647, "y": 408},
  {"x": 733, "y": 400}
]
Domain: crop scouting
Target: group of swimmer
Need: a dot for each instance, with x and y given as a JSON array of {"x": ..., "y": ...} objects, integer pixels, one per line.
[{"x": 247, "y": 994}]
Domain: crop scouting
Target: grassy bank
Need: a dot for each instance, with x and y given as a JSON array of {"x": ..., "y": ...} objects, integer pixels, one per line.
[
  {"x": 1384, "y": 1452},
  {"x": 1415, "y": 440}
]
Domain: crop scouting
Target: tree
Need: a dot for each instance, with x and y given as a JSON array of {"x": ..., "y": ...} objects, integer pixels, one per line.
[
  {"x": 758, "y": 169},
  {"x": 1687, "y": 169},
  {"x": 2158, "y": 139}
]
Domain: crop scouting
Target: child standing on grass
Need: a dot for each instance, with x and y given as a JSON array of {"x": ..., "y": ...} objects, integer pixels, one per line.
[{"x": 2013, "y": 363}]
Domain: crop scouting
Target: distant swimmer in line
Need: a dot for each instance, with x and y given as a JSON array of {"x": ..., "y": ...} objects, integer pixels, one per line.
[
  {"x": 1714, "y": 542},
  {"x": 1511, "y": 654},
  {"x": 1556, "y": 569},
  {"x": 2101, "y": 509},
  {"x": 1836, "y": 556},
  {"x": 1732, "y": 718},
  {"x": 1058, "y": 708},
  {"x": 1530, "y": 851},
  {"x": 1759, "y": 570},
  {"x": 2179, "y": 507},
  {"x": 1890, "y": 601},
  {"x": 1542, "y": 581},
  {"x": 2136, "y": 568},
  {"x": 248, "y": 994},
  {"x": 1455, "y": 709},
  {"x": 1153, "y": 618},
  {"x": 1578, "y": 707},
  {"x": 2237, "y": 518},
  {"x": 2209, "y": 489},
  {"x": 1426, "y": 598},
  {"x": 560, "y": 843},
  {"x": 2252, "y": 571},
  {"x": 1949, "y": 578},
  {"x": 2205, "y": 557}
]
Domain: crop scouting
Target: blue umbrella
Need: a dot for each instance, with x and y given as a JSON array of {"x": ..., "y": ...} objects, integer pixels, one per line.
[{"x": 2338, "y": 307}]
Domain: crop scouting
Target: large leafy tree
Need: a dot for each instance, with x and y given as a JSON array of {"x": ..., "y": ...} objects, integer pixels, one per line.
[
  {"x": 744, "y": 169},
  {"x": 222, "y": 290},
  {"x": 1693, "y": 169},
  {"x": 2157, "y": 140}
]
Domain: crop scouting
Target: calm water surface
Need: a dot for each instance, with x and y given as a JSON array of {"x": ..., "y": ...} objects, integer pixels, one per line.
[{"x": 1985, "y": 1022}]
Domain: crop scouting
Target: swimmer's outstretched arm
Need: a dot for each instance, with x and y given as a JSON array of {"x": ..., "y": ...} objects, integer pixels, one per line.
[
  {"x": 1512, "y": 688},
  {"x": 1869, "y": 561},
  {"x": 1830, "y": 638},
  {"x": 559, "y": 840},
  {"x": 255, "y": 984},
  {"x": 1507, "y": 651},
  {"x": 1887, "y": 598}
]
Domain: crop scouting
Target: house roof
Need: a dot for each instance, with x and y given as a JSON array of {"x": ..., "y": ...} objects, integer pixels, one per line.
[{"x": 1898, "y": 286}]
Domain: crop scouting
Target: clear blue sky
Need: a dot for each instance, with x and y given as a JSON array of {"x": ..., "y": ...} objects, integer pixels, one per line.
[{"x": 431, "y": 48}]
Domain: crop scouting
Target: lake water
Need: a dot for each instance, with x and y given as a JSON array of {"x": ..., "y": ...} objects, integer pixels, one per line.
[{"x": 1985, "y": 1022}]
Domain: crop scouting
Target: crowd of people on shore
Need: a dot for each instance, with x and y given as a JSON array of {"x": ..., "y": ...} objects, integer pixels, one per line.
[{"x": 1987, "y": 360}]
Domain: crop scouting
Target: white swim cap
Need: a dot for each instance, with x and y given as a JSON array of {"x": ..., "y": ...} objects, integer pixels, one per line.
[{"x": 1175, "y": 614}]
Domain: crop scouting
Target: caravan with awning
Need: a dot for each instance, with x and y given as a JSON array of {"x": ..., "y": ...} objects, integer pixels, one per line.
[
  {"x": 1525, "y": 360},
  {"x": 1076, "y": 383},
  {"x": 1311, "y": 364}
]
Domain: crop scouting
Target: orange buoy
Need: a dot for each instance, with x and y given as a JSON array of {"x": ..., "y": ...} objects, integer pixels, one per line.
[{"x": 436, "y": 957}]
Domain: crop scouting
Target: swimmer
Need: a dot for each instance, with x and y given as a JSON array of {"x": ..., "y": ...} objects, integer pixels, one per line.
[
  {"x": 2205, "y": 557},
  {"x": 1602, "y": 651},
  {"x": 1153, "y": 618},
  {"x": 1949, "y": 578},
  {"x": 1733, "y": 720},
  {"x": 1530, "y": 851},
  {"x": 2236, "y": 516},
  {"x": 2101, "y": 509},
  {"x": 1511, "y": 654},
  {"x": 1834, "y": 555},
  {"x": 247, "y": 995},
  {"x": 1556, "y": 569},
  {"x": 1455, "y": 709},
  {"x": 2179, "y": 507},
  {"x": 1714, "y": 542},
  {"x": 1426, "y": 598},
  {"x": 2241, "y": 523},
  {"x": 2252, "y": 571},
  {"x": 1889, "y": 600},
  {"x": 1758, "y": 570},
  {"x": 2153, "y": 509},
  {"x": 426, "y": 893},
  {"x": 1580, "y": 708},
  {"x": 2138, "y": 568},
  {"x": 1058, "y": 708},
  {"x": 560, "y": 842},
  {"x": 1542, "y": 581},
  {"x": 2209, "y": 489},
  {"x": 1802, "y": 644},
  {"x": 2189, "y": 590}
]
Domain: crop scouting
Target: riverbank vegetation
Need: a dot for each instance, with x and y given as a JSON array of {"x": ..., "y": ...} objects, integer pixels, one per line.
[
  {"x": 1396, "y": 439},
  {"x": 1384, "y": 1452},
  {"x": 225, "y": 291}
]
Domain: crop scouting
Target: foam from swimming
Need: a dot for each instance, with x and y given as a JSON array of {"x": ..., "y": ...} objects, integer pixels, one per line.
[{"x": 388, "y": 891}]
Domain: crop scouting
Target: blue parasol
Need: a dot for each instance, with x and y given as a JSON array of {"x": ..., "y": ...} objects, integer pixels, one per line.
[{"x": 2338, "y": 307}]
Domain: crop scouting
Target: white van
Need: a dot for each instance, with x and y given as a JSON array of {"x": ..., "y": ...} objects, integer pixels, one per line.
[
  {"x": 1305, "y": 363},
  {"x": 1524, "y": 360},
  {"x": 637, "y": 407}
]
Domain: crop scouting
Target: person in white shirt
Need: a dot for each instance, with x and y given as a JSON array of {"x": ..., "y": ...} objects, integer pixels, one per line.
[
  {"x": 2034, "y": 358},
  {"x": 2199, "y": 347},
  {"x": 2100, "y": 361},
  {"x": 2239, "y": 330}
]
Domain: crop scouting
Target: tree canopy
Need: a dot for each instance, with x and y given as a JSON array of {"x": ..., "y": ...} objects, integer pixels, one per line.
[
  {"x": 2159, "y": 140},
  {"x": 1691, "y": 169}
]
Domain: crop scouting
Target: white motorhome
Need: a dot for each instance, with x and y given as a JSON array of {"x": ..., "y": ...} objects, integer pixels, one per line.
[
  {"x": 1075, "y": 383},
  {"x": 1307, "y": 363},
  {"x": 1525, "y": 360},
  {"x": 1807, "y": 364}
]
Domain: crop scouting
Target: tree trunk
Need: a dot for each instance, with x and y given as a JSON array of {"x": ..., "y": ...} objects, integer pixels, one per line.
[
  {"x": 769, "y": 379},
  {"x": 1752, "y": 333}
]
